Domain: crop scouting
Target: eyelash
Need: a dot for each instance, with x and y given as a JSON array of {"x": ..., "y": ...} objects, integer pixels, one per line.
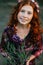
[
  {"x": 24, "y": 11},
  {"x": 29, "y": 12}
]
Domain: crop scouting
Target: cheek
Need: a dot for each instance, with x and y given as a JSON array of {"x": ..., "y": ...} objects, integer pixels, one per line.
[
  {"x": 19, "y": 16},
  {"x": 30, "y": 17}
]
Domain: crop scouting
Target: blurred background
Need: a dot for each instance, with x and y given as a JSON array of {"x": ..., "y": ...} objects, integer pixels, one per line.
[{"x": 6, "y": 7}]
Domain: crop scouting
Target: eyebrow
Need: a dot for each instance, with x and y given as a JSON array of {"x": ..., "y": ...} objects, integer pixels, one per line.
[
  {"x": 29, "y": 12},
  {"x": 25, "y": 9}
]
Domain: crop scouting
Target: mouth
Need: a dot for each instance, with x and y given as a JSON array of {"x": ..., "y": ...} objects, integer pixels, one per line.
[{"x": 23, "y": 19}]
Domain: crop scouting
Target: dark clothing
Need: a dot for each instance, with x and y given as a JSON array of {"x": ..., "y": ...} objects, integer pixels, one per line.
[{"x": 17, "y": 49}]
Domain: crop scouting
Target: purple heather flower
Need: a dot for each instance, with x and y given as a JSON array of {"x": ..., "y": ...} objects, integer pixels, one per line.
[{"x": 16, "y": 38}]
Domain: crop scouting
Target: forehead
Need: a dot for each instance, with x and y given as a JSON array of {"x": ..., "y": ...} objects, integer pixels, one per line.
[{"x": 27, "y": 7}]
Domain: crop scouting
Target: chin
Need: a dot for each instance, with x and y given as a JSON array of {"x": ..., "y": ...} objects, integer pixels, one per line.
[
  {"x": 22, "y": 23},
  {"x": 25, "y": 23}
]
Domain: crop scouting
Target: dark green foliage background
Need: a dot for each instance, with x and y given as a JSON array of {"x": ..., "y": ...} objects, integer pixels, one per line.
[{"x": 6, "y": 7}]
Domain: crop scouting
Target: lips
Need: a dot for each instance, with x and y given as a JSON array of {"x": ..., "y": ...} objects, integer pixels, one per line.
[{"x": 24, "y": 19}]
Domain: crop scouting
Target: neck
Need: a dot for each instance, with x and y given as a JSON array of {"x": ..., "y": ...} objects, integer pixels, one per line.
[{"x": 24, "y": 26}]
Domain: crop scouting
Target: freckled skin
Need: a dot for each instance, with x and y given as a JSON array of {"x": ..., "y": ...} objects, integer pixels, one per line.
[{"x": 25, "y": 15}]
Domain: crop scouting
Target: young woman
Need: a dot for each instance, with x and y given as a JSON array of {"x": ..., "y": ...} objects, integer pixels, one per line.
[{"x": 22, "y": 33}]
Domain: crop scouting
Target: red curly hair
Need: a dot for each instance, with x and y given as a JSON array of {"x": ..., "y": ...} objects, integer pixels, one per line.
[{"x": 35, "y": 22}]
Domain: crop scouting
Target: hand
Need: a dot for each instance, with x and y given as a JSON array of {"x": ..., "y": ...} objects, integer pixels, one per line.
[
  {"x": 27, "y": 63},
  {"x": 31, "y": 58}
]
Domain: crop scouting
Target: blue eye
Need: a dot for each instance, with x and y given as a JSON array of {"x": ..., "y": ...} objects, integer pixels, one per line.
[
  {"x": 22, "y": 10},
  {"x": 29, "y": 13}
]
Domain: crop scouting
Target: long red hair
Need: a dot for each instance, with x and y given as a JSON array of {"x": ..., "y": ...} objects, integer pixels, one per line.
[{"x": 35, "y": 22}]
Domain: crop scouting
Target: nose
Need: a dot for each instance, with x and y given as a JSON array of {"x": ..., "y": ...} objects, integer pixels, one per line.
[{"x": 25, "y": 15}]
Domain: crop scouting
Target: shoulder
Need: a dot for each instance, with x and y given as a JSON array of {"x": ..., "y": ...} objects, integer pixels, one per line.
[
  {"x": 8, "y": 29},
  {"x": 39, "y": 37}
]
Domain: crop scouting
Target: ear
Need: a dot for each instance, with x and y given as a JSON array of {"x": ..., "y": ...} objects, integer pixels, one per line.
[{"x": 20, "y": 0}]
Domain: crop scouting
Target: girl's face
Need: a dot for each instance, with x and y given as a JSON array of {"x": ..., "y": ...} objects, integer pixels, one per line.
[{"x": 25, "y": 15}]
